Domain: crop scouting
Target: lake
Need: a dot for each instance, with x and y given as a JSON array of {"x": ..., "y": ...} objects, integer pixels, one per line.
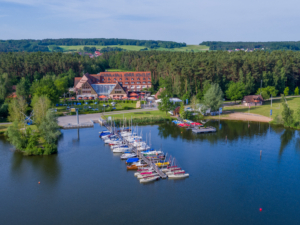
[{"x": 85, "y": 183}]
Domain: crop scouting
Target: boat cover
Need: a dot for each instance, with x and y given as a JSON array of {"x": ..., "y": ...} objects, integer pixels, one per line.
[{"x": 131, "y": 160}]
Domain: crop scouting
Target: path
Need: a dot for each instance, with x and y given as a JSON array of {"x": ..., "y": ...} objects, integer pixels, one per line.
[{"x": 87, "y": 118}]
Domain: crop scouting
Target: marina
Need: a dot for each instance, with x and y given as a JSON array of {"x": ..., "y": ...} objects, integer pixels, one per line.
[{"x": 152, "y": 161}]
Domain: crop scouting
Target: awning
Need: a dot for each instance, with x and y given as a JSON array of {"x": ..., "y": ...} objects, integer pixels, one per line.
[
  {"x": 102, "y": 96},
  {"x": 133, "y": 98},
  {"x": 79, "y": 98},
  {"x": 85, "y": 98},
  {"x": 133, "y": 94},
  {"x": 91, "y": 98},
  {"x": 73, "y": 98}
]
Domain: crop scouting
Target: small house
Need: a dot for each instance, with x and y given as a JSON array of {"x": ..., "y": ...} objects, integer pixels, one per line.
[{"x": 252, "y": 100}]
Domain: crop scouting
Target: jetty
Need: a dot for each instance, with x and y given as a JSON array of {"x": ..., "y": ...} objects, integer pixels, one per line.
[
  {"x": 138, "y": 153},
  {"x": 198, "y": 130}
]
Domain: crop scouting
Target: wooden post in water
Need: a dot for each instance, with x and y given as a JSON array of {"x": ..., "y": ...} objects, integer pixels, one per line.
[{"x": 260, "y": 153}]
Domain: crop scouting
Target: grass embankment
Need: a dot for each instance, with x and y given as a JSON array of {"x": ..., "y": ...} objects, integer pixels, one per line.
[
  {"x": 188, "y": 48},
  {"x": 147, "y": 114},
  {"x": 264, "y": 110},
  {"x": 3, "y": 127},
  {"x": 149, "y": 117}
]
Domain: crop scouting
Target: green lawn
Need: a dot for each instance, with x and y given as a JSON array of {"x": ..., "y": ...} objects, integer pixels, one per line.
[
  {"x": 188, "y": 48},
  {"x": 294, "y": 103},
  {"x": 156, "y": 113},
  {"x": 84, "y": 108}
]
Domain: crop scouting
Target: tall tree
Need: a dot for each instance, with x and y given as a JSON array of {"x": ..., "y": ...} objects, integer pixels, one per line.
[
  {"x": 40, "y": 106},
  {"x": 235, "y": 91},
  {"x": 17, "y": 109},
  {"x": 214, "y": 97}
]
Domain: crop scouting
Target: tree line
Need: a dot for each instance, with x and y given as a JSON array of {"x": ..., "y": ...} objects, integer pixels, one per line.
[
  {"x": 282, "y": 45},
  {"x": 30, "y": 45},
  {"x": 187, "y": 74}
]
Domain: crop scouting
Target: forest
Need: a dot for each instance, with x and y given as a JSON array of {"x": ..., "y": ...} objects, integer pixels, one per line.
[
  {"x": 42, "y": 45},
  {"x": 269, "y": 46},
  {"x": 185, "y": 74}
]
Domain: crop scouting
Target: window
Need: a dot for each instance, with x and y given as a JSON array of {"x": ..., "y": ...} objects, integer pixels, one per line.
[
  {"x": 149, "y": 82},
  {"x": 138, "y": 79},
  {"x": 132, "y": 82},
  {"x": 115, "y": 79},
  {"x": 126, "y": 78},
  {"x": 148, "y": 78},
  {"x": 126, "y": 82},
  {"x": 132, "y": 79},
  {"x": 138, "y": 82},
  {"x": 120, "y": 82},
  {"x": 120, "y": 79},
  {"x": 144, "y": 78},
  {"x": 144, "y": 82}
]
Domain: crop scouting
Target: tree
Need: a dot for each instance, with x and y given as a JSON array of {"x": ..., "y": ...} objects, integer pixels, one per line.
[
  {"x": 165, "y": 104},
  {"x": 40, "y": 106},
  {"x": 5, "y": 86},
  {"x": 182, "y": 112},
  {"x": 296, "y": 92},
  {"x": 49, "y": 130},
  {"x": 287, "y": 113},
  {"x": 267, "y": 92},
  {"x": 194, "y": 102},
  {"x": 46, "y": 87},
  {"x": 286, "y": 91},
  {"x": 17, "y": 109},
  {"x": 235, "y": 91},
  {"x": 14, "y": 136},
  {"x": 23, "y": 88},
  {"x": 61, "y": 85},
  {"x": 214, "y": 97}
]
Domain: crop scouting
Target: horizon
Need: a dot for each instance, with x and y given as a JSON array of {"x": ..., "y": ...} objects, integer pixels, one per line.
[{"x": 192, "y": 23}]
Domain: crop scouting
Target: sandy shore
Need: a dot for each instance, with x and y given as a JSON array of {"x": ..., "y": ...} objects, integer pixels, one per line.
[{"x": 245, "y": 117}]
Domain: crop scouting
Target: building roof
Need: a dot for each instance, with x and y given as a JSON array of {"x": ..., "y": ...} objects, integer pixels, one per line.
[{"x": 252, "y": 98}]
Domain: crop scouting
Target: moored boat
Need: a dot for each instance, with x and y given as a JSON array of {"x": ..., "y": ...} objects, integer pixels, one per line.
[
  {"x": 178, "y": 175},
  {"x": 149, "y": 179}
]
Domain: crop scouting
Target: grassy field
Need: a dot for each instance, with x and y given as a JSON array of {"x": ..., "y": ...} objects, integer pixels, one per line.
[
  {"x": 294, "y": 103},
  {"x": 188, "y": 48},
  {"x": 83, "y": 109},
  {"x": 141, "y": 115}
]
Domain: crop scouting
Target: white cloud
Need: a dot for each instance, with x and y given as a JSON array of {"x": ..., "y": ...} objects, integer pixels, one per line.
[{"x": 190, "y": 20}]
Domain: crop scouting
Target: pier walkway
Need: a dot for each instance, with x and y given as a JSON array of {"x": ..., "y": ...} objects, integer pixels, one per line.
[{"x": 141, "y": 156}]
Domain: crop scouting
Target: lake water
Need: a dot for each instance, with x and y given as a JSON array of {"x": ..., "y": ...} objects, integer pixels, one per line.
[{"x": 85, "y": 183}]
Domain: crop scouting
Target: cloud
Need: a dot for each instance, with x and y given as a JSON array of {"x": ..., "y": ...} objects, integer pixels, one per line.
[{"x": 191, "y": 20}]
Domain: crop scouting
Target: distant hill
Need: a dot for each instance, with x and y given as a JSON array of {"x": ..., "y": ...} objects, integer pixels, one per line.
[
  {"x": 47, "y": 45},
  {"x": 284, "y": 45}
]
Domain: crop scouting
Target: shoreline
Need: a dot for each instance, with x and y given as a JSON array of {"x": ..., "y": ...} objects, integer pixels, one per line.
[{"x": 242, "y": 117}]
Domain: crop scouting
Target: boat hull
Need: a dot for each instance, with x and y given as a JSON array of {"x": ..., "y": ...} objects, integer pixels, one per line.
[{"x": 178, "y": 176}]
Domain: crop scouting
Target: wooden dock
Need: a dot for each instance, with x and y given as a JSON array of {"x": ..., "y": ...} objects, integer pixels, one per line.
[
  {"x": 77, "y": 126},
  {"x": 141, "y": 156},
  {"x": 204, "y": 130}
]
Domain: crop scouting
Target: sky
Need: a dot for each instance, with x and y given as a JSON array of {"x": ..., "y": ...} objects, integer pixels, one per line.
[{"x": 189, "y": 21}]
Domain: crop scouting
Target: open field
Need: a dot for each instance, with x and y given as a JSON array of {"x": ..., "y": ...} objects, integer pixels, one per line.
[
  {"x": 188, "y": 48},
  {"x": 264, "y": 110}
]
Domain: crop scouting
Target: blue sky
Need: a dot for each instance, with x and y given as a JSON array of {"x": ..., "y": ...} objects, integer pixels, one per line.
[{"x": 190, "y": 21}]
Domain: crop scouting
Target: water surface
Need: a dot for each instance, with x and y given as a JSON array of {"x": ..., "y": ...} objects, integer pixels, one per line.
[{"x": 85, "y": 183}]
